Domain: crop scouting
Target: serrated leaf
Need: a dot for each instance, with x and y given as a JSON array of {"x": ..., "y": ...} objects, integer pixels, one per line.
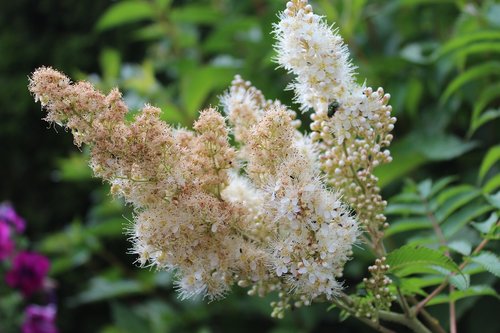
[
  {"x": 460, "y": 281},
  {"x": 461, "y": 246},
  {"x": 492, "y": 156},
  {"x": 460, "y": 294},
  {"x": 441, "y": 147},
  {"x": 471, "y": 74},
  {"x": 125, "y": 12},
  {"x": 489, "y": 261},
  {"x": 408, "y": 224},
  {"x": 424, "y": 188},
  {"x": 460, "y": 218},
  {"x": 441, "y": 184},
  {"x": 406, "y": 197},
  {"x": 485, "y": 226},
  {"x": 405, "y": 209},
  {"x": 412, "y": 259},
  {"x": 492, "y": 184},
  {"x": 462, "y": 40},
  {"x": 481, "y": 48},
  {"x": 494, "y": 199},
  {"x": 485, "y": 117},
  {"x": 490, "y": 93},
  {"x": 456, "y": 201},
  {"x": 453, "y": 192}
]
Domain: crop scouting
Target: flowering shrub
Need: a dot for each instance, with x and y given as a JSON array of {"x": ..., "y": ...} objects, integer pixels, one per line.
[
  {"x": 281, "y": 210},
  {"x": 25, "y": 272}
]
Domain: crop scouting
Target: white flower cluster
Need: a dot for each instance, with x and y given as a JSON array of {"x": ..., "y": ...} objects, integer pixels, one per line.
[
  {"x": 351, "y": 123},
  {"x": 260, "y": 214},
  {"x": 309, "y": 231}
]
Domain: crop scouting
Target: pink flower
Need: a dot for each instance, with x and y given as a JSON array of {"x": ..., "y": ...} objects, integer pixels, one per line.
[
  {"x": 28, "y": 272},
  {"x": 6, "y": 243},
  {"x": 40, "y": 319},
  {"x": 9, "y": 215}
]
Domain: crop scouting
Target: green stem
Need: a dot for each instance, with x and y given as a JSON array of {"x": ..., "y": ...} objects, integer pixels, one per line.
[
  {"x": 375, "y": 325},
  {"x": 412, "y": 323},
  {"x": 432, "y": 322}
]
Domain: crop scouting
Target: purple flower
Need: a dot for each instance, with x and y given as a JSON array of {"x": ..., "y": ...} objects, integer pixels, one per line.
[
  {"x": 6, "y": 243},
  {"x": 28, "y": 272},
  {"x": 40, "y": 319},
  {"x": 9, "y": 215}
]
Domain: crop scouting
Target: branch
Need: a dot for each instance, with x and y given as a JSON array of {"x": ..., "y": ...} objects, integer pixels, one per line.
[
  {"x": 436, "y": 291},
  {"x": 412, "y": 323}
]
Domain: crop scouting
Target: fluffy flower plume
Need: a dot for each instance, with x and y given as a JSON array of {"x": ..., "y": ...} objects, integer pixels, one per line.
[
  {"x": 351, "y": 122},
  {"x": 275, "y": 227},
  {"x": 265, "y": 214}
]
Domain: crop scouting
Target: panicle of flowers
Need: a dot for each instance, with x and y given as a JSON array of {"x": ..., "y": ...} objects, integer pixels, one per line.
[
  {"x": 351, "y": 123},
  {"x": 173, "y": 177},
  {"x": 273, "y": 225},
  {"x": 312, "y": 230},
  {"x": 378, "y": 296},
  {"x": 265, "y": 214}
]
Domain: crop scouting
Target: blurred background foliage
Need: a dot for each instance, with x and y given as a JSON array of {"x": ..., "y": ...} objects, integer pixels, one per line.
[{"x": 438, "y": 59}]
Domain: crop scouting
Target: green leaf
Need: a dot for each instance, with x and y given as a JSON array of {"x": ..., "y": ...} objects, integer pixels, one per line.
[
  {"x": 461, "y": 246},
  {"x": 74, "y": 168},
  {"x": 127, "y": 320},
  {"x": 481, "y": 48},
  {"x": 492, "y": 184},
  {"x": 441, "y": 184},
  {"x": 465, "y": 215},
  {"x": 408, "y": 224},
  {"x": 485, "y": 117},
  {"x": 102, "y": 289},
  {"x": 420, "y": 2},
  {"x": 151, "y": 32},
  {"x": 494, "y": 199},
  {"x": 110, "y": 62},
  {"x": 125, "y": 12},
  {"x": 489, "y": 94},
  {"x": 109, "y": 227},
  {"x": 413, "y": 259},
  {"x": 199, "y": 83},
  {"x": 487, "y": 225},
  {"x": 462, "y": 40},
  {"x": 489, "y": 261},
  {"x": 164, "y": 4},
  {"x": 442, "y": 147},
  {"x": 405, "y": 209},
  {"x": 424, "y": 188},
  {"x": 70, "y": 261},
  {"x": 195, "y": 14},
  {"x": 460, "y": 281},
  {"x": 473, "y": 73},
  {"x": 406, "y": 157},
  {"x": 456, "y": 295},
  {"x": 459, "y": 199},
  {"x": 492, "y": 156}
]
